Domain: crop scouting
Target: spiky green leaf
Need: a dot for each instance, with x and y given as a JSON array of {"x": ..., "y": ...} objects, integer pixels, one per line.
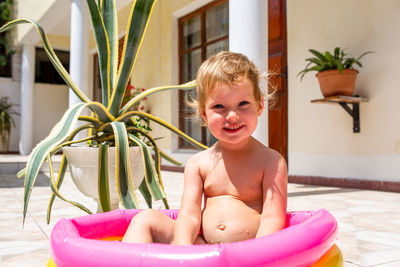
[
  {"x": 54, "y": 188},
  {"x": 145, "y": 193},
  {"x": 109, "y": 12},
  {"x": 125, "y": 117},
  {"x": 123, "y": 173},
  {"x": 137, "y": 24},
  {"x": 187, "y": 86},
  {"x": 103, "y": 186},
  {"x": 151, "y": 174},
  {"x": 103, "y": 49}
]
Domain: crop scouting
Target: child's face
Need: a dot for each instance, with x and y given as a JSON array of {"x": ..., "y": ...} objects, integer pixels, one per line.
[{"x": 231, "y": 111}]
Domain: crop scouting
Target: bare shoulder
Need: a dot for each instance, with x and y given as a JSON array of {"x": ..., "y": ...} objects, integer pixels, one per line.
[
  {"x": 198, "y": 158},
  {"x": 198, "y": 162},
  {"x": 272, "y": 161},
  {"x": 268, "y": 155},
  {"x": 273, "y": 156}
]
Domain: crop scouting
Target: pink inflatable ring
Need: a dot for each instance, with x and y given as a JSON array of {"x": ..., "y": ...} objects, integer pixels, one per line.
[{"x": 87, "y": 241}]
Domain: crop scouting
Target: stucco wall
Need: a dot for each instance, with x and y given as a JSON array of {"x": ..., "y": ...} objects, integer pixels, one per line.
[
  {"x": 321, "y": 140},
  {"x": 50, "y": 102}
]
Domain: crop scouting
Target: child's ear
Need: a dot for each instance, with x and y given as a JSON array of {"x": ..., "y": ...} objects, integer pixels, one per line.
[
  {"x": 260, "y": 106},
  {"x": 204, "y": 117}
]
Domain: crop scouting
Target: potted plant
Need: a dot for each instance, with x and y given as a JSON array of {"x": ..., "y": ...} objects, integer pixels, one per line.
[
  {"x": 336, "y": 74},
  {"x": 110, "y": 125},
  {"x": 6, "y": 122}
]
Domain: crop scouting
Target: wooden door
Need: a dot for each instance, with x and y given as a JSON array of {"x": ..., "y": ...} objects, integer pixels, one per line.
[{"x": 277, "y": 63}]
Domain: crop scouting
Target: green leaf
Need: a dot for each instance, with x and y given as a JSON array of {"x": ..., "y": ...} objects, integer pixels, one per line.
[
  {"x": 187, "y": 86},
  {"x": 126, "y": 188},
  {"x": 317, "y": 54},
  {"x": 103, "y": 186},
  {"x": 329, "y": 58},
  {"x": 54, "y": 188},
  {"x": 95, "y": 122},
  {"x": 103, "y": 49},
  {"x": 168, "y": 158},
  {"x": 161, "y": 122},
  {"x": 57, "y": 184},
  {"x": 101, "y": 112},
  {"x": 109, "y": 12},
  {"x": 60, "y": 178},
  {"x": 336, "y": 52},
  {"x": 145, "y": 193},
  {"x": 137, "y": 24},
  {"x": 157, "y": 161},
  {"x": 151, "y": 174},
  {"x": 62, "y": 170},
  {"x": 339, "y": 65},
  {"x": 363, "y": 54},
  {"x": 58, "y": 134}
]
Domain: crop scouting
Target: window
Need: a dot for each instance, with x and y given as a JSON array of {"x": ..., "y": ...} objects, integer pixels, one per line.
[
  {"x": 44, "y": 69},
  {"x": 202, "y": 34}
]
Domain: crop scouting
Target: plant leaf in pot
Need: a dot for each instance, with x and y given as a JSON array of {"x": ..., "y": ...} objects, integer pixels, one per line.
[
  {"x": 110, "y": 125},
  {"x": 335, "y": 71}
]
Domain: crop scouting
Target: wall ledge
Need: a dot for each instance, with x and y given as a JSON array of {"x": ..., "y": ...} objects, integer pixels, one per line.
[{"x": 387, "y": 186}]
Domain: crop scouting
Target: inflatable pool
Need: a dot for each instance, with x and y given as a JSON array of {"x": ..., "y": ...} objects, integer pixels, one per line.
[{"x": 92, "y": 240}]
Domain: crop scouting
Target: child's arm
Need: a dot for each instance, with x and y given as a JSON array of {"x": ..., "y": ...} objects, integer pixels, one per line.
[
  {"x": 188, "y": 223},
  {"x": 274, "y": 198}
]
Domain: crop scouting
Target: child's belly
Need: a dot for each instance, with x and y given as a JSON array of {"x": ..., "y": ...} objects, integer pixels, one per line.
[{"x": 228, "y": 219}]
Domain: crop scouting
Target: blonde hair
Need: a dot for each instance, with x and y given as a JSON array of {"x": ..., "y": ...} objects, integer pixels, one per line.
[{"x": 226, "y": 68}]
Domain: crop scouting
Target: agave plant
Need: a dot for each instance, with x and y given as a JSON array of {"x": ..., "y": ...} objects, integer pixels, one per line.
[
  {"x": 110, "y": 124},
  {"x": 6, "y": 122},
  {"x": 339, "y": 60}
]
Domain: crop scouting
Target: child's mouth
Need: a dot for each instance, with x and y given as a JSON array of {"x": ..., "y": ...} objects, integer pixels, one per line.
[{"x": 233, "y": 128}]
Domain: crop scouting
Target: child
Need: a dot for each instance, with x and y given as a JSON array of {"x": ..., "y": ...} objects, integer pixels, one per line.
[{"x": 243, "y": 182}]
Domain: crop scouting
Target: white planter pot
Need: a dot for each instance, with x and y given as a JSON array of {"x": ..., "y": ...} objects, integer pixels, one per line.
[{"x": 82, "y": 163}]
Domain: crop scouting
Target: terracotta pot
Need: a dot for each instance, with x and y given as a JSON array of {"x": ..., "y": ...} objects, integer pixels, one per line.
[{"x": 332, "y": 82}]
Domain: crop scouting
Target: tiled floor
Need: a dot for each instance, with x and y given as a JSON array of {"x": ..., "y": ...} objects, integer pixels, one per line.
[{"x": 369, "y": 221}]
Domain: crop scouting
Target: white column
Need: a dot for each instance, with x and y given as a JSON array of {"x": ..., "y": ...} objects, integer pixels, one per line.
[
  {"x": 27, "y": 84},
  {"x": 79, "y": 53},
  {"x": 79, "y": 48},
  {"x": 248, "y": 34}
]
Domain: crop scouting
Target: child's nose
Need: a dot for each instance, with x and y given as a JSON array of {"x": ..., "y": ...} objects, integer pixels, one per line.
[{"x": 232, "y": 116}]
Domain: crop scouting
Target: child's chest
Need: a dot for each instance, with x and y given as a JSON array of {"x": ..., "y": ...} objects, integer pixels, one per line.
[{"x": 241, "y": 179}]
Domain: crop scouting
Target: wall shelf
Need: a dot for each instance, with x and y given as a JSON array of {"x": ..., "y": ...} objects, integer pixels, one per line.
[{"x": 351, "y": 104}]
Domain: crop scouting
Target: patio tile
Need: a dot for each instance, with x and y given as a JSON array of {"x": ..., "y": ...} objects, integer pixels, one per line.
[
  {"x": 374, "y": 258},
  {"x": 389, "y": 264},
  {"x": 349, "y": 264}
]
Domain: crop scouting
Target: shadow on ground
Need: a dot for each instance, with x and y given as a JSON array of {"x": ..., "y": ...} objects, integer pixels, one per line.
[{"x": 12, "y": 181}]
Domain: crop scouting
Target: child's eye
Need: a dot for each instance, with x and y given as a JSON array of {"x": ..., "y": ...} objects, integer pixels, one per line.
[
  {"x": 218, "y": 106},
  {"x": 243, "y": 103}
]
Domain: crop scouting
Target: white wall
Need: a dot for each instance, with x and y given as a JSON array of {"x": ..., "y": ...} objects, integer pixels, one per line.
[
  {"x": 321, "y": 140},
  {"x": 50, "y": 103}
]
